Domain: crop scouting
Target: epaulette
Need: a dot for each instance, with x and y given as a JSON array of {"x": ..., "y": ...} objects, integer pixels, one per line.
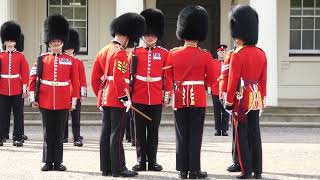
[
  {"x": 238, "y": 49},
  {"x": 160, "y": 47},
  {"x": 176, "y": 48}
]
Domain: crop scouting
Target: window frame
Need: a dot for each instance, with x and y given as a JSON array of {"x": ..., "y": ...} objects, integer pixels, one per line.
[
  {"x": 301, "y": 51},
  {"x": 81, "y": 52}
]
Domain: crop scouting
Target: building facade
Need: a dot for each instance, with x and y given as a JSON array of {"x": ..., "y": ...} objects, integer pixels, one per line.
[{"x": 289, "y": 33}]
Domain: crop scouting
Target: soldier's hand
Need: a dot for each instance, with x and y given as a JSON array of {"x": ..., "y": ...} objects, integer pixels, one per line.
[
  {"x": 34, "y": 104},
  {"x": 73, "y": 103},
  {"x": 101, "y": 108},
  {"x": 228, "y": 109},
  {"x": 166, "y": 99},
  {"x": 127, "y": 104}
]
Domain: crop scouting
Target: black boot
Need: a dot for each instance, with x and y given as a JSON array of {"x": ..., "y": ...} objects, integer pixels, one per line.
[
  {"x": 154, "y": 167},
  {"x": 183, "y": 175},
  {"x": 24, "y": 137},
  {"x": 244, "y": 176},
  {"x": 47, "y": 167},
  {"x": 59, "y": 167},
  {"x": 218, "y": 133},
  {"x": 140, "y": 166},
  {"x": 234, "y": 168},
  {"x": 78, "y": 143},
  {"x": 125, "y": 173},
  {"x": 224, "y": 133},
  {"x": 257, "y": 176},
  {"x": 1, "y": 142},
  {"x": 197, "y": 175},
  {"x": 18, "y": 143}
]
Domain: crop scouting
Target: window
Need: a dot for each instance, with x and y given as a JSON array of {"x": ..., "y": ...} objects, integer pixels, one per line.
[
  {"x": 76, "y": 12},
  {"x": 305, "y": 27}
]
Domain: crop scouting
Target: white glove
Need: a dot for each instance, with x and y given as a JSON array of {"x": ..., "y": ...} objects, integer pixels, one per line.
[
  {"x": 101, "y": 108},
  {"x": 260, "y": 112},
  {"x": 166, "y": 99},
  {"x": 24, "y": 91},
  {"x": 83, "y": 91},
  {"x": 73, "y": 103},
  {"x": 32, "y": 99},
  {"x": 209, "y": 90},
  {"x": 127, "y": 104},
  {"x": 229, "y": 112}
]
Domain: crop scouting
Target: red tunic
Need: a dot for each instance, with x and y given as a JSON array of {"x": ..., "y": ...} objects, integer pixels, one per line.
[
  {"x": 14, "y": 73},
  {"x": 250, "y": 64},
  {"x": 149, "y": 75},
  {"x": 191, "y": 68},
  {"x": 215, "y": 85},
  {"x": 111, "y": 65},
  {"x": 59, "y": 73},
  {"x": 223, "y": 79},
  {"x": 82, "y": 78}
]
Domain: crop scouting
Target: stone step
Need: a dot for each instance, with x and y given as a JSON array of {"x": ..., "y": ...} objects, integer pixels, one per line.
[{"x": 165, "y": 123}]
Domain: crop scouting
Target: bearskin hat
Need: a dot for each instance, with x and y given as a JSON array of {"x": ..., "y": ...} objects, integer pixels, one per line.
[
  {"x": 192, "y": 23},
  {"x": 56, "y": 27},
  {"x": 132, "y": 25},
  {"x": 155, "y": 21},
  {"x": 73, "y": 41},
  {"x": 244, "y": 24},
  {"x": 20, "y": 43},
  {"x": 10, "y": 31}
]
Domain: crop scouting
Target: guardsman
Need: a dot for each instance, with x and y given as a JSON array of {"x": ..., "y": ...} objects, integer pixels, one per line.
[
  {"x": 147, "y": 90},
  {"x": 190, "y": 66},
  {"x": 223, "y": 84},
  {"x": 49, "y": 88},
  {"x": 14, "y": 70},
  {"x": 72, "y": 48},
  {"x": 109, "y": 81},
  {"x": 221, "y": 117},
  {"x": 246, "y": 91}
]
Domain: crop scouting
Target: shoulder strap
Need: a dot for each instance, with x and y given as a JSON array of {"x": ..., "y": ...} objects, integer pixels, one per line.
[{"x": 39, "y": 66}]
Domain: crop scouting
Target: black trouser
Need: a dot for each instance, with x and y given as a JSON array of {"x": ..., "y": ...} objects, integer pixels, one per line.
[
  {"x": 221, "y": 117},
  {"x": 189, "y": 130},
  {"x": 16, "y": 104},
  {"x": 53, "y": 122},
  {"x": 128, "y": 127},
  {"x": 111, "y": 148},
  {"x": 147, "y": 132},
  {"x": 235, "y": 159},
  {"x": 75, "y": 117},
  {"x": 249, "y": 144}
]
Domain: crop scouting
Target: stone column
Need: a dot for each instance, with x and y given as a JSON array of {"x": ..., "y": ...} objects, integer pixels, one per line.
[
  {"x": 124, "y": 6},
  {"x": 268, "y": 38}
]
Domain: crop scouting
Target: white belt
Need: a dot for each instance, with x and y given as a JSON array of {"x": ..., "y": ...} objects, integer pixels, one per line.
[
  {"x": 110, "y": 78},
  {"x": 54, "y": 83},
  {"x": 10, "y": 76},
  {"x": 192, "y": 83},
  {"x": 148, "y": 79}
]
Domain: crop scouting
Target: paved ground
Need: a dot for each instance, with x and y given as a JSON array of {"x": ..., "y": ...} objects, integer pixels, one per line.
[{"x": 288, "y": 153}]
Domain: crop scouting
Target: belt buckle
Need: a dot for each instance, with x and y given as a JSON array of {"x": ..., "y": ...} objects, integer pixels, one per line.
[
  {"x": 148, "y": 79},
  {"x": 55, "y": 83}
]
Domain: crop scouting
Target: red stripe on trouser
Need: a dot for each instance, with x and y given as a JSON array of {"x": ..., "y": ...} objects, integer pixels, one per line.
[{"x": 235, "y": 124}]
